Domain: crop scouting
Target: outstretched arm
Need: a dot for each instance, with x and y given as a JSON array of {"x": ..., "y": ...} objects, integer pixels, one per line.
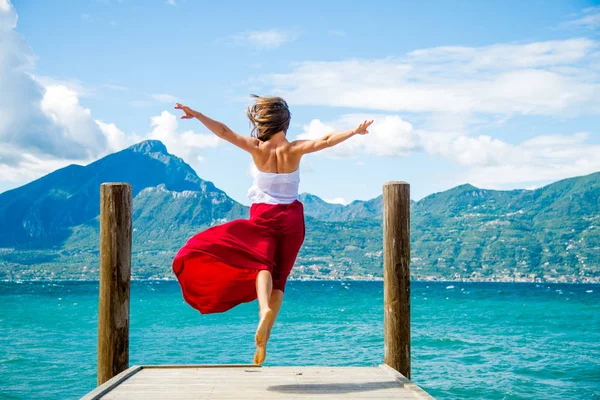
[
  {"x": 247, "y": 143},
  {"x": 331, "y": 139}
]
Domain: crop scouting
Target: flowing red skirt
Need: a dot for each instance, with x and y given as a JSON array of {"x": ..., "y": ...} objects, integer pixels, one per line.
[{"x": 217, "y": 268}]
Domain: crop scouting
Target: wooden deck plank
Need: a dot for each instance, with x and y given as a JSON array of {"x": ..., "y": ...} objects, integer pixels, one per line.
[
  {"x": 110, "y": 384},
  {"x": 264, "y": 383}
]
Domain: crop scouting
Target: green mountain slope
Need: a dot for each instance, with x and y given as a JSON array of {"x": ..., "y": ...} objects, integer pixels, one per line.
[
  {"x": 50, "y": 227},
  {"x": 319, "y": 209},
  {"x": 43, "y": 213},
  {"x": 483, "y": 234}
]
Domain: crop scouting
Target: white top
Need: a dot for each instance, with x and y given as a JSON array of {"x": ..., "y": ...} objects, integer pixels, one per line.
[{"x": 274, "y": 188}]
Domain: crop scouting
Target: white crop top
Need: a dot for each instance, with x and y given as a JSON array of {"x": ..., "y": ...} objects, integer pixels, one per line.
[{"x": 274, "y": 188}]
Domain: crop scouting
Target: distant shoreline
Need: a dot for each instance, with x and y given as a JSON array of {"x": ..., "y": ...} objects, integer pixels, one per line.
[{"x": 597, "y": 282}]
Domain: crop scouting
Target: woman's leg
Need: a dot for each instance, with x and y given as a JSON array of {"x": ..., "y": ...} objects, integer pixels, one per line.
[
  {"x": 275, "y": 304},
  {"x": 264, "y": 287}
]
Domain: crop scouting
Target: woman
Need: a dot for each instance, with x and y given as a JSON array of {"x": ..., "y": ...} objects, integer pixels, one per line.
[{"x": 242, "y": 260}]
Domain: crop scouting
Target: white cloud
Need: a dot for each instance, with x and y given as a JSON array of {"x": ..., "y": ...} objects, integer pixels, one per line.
[
  {"x": 171, "y": 2},
  {"x": 471, "y": 151},
  {"x": 544, "y": 159},
  {"x": 543, "y": 78},
  {"x": 488, "y": 161},
  {"x": 31, "y": 167},
  {"x": 503, "y": 56},
  {"x": 8, "y": 16},
  {"x": 316, "y": 129},
  {"x": 336, "y": 200},
  {"x": 388, "y": 136},
  {"x": 589, "y": 18},
  {"x": 19, "y": 166},
  {"x": 493, "y": 163},
  {"x": 266, "y": 39},
  {"x": 184, "y": 144},
  {"x": 117, "y": 139},
  {"x": 75, "y": 86},
  {"x": 62, "y": 105},
  {"x": 38, "y": 116},
  {"x": 44, "y": 126},
  {"x": 454, "y": 89},
  {"x": 165, "y": 98}
]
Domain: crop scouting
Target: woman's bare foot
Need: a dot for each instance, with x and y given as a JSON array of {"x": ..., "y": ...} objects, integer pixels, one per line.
[{"x": 267, "y": 318}]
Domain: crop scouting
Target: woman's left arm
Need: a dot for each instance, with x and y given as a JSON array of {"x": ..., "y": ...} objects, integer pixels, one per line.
[{"x": 247, "y": 143}]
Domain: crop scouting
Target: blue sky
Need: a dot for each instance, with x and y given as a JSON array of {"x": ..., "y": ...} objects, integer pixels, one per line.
[{"x": 498, "y": 94}]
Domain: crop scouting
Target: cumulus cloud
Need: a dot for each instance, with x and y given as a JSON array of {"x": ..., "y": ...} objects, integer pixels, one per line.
[
  {"x": 493, "y": 163},
  {"x": 541, "y": 78},
  {"x": 184, "y": 144},
  {"x": 44, "y": 126},
  {"x": 117, "y": 139},
  {"x": 470, "y": 151},
  {"x": 40, "y": 119},
  {"x": 61, "y": 104},
  {"x": 488, "y": 161},
  {"x": 544, "y": 158},
  {"x": 389, "y": 135},
  {"x": 29, "y": 166},
  {"x": 453, "y": 92}
]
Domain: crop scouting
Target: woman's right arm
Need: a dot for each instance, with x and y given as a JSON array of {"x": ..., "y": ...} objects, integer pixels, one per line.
[
  {"x": 221, "y": 130},
  {"x": 331, "y": 139}
]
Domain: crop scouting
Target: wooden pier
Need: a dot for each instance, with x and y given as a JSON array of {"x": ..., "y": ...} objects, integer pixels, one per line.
[
  {"x": 179, "y": 382},
  {"x": 117, "y": 381}
]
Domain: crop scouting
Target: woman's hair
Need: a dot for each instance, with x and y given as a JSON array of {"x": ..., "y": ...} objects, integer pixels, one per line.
[{"x": 268, "y": 115}]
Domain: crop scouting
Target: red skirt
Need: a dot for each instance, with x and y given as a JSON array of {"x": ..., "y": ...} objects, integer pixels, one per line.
[{"x": 217, "y": 268}]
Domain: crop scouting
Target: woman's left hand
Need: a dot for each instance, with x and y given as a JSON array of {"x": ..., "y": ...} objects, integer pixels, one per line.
[
  {"x": 188, "y": 114},
  {"x": 362, "y": 128}
]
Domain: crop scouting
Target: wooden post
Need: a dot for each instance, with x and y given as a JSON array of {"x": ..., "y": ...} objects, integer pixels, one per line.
[
  {"x": 396, "y": 276},
  {"x": 115, "y": 273}
]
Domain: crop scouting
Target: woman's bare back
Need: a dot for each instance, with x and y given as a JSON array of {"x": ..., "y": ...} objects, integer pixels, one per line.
[{"x": 276, "y": 156}]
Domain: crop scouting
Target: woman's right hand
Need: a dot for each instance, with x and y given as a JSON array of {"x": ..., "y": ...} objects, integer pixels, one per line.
[
  {"x": 362, "y": 128},
  {"x": 188, "y": 113}
]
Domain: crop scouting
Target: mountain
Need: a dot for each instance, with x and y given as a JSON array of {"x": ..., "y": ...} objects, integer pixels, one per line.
[
  {"x": 553, "y": 231},
  {"x": 49, "y": 228},
  {"x": 42, "y": 213},
  {"x": 320, "y": 209}
]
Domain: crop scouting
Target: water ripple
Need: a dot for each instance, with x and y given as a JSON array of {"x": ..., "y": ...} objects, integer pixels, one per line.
[{"x": 471, "y": 341}]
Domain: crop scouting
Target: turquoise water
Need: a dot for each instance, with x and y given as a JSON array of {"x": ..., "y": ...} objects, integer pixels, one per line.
[{"x": 470, "y": 340}]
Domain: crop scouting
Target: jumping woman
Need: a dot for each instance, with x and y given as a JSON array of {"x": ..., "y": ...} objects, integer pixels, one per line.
[{"x": 245, "y": 259}]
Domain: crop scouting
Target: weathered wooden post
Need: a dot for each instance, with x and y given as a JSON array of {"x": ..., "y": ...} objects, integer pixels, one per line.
[
  {"x": 115, "y": 273},
  {"x": 396, "y": 276}
]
